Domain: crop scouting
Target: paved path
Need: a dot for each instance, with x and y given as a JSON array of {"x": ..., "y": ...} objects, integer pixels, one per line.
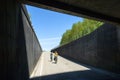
[{"x": 67, "y": 70}]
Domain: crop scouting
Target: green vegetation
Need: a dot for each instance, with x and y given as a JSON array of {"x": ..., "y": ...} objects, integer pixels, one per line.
[{"x": 80, "y": 29}]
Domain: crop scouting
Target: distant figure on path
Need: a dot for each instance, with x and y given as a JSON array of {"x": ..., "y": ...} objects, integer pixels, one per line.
[
  {"x": 51, "y": 56},
  {"x": 55, "y": 57}
]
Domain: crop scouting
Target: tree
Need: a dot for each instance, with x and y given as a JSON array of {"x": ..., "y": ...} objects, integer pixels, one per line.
[
  {"x": 66, "y": 37},
  {"x": 80, "y": 29}
]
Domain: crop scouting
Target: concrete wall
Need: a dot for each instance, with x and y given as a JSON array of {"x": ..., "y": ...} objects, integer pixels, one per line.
[
  {"x": 13, "y": 51},
  {"x": 33, "y": 47},
  {"x": 99, "y": 49},
  {"x": 13, "y": 57}
]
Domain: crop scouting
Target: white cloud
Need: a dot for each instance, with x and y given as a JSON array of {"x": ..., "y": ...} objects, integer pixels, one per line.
[
  {"x": 48, "y": 39},
  {"x": 49, "y": 43}
]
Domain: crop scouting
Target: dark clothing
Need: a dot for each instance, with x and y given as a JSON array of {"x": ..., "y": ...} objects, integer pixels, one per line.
[
  {"x": 51, "y": 56},
  {"x": 55, "y": 59}
]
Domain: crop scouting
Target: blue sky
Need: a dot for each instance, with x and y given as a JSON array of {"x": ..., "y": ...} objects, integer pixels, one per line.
[{"x": 49, "y": 25}]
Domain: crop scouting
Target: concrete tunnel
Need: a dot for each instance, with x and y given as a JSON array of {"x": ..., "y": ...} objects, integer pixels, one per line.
[{"x": 14, "y": 40}]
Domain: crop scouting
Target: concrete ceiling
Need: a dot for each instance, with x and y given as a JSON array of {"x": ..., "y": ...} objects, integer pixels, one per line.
[{"x": 104, "y": 10}]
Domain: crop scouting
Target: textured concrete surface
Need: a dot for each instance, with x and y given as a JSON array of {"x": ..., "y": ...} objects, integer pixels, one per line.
[
  {"x": 101, "y": 9},
  {"x": 98, "y": 48},
  {"x": 14, "y": 56},
  {"x": 68, "y": 70},
  {"x": 33, "y": 47}
]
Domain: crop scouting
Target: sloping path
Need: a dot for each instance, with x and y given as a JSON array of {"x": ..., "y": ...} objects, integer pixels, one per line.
[{"x": 67, "y": 70}]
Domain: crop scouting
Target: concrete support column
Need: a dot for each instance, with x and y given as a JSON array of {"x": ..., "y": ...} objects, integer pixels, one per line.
[{"x": 13, "y": 56}]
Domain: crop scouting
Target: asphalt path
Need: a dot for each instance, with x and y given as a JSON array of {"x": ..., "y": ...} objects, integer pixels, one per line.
[{"x": 66, "y": 69}]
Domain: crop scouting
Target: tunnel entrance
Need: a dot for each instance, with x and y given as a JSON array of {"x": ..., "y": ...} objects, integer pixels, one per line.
[
  {"x": 92, "y": 47},
  {"x": 17, "y": 38}
]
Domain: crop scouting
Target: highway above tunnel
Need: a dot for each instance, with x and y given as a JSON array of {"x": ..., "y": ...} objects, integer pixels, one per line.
[{"x": 67, "y": 69}]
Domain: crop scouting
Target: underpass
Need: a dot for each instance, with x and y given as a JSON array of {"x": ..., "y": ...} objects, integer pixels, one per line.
[
  {"x": 16, "y": 59},
  {"x": 67, "y": 69}
]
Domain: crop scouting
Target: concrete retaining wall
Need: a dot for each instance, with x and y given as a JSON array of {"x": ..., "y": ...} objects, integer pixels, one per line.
[
  {"x": 16, "y": 61},
  {"x": 13, "y": 56},
  {"x": 99, "y": 49},
  {"x": 33, "y": 47}
]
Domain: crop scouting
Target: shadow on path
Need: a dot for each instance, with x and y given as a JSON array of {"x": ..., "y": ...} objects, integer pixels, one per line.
[
  {"x": 92, "y": 68},
  {"x": 77, "y": 75}
]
